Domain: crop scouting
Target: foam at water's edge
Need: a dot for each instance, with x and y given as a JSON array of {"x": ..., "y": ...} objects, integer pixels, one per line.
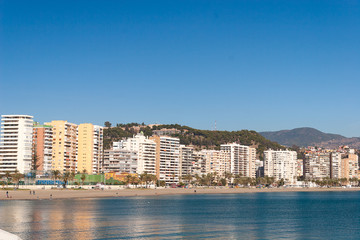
[{"x": 8, "y": 236}]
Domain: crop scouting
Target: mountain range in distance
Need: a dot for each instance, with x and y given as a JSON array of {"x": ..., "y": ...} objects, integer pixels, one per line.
[{"x": 306, "y": 136}]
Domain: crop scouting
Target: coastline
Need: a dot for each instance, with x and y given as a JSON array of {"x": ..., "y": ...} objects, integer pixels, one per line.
[{"x": 41, "y": 194}]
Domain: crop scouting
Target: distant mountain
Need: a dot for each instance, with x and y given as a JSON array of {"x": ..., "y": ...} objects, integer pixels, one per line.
[{"x": 303, "y": 137}]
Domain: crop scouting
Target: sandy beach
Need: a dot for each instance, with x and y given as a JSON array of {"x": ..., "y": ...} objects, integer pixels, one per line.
[{"x": 41, "y": 194}]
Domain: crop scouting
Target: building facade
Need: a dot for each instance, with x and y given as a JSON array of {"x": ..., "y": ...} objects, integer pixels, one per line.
[
  {"x": 90, "y": 148},
  {"x": 120, "y": 161},
  {"x": 281, "y": 165},
  {"x": 145, "y": 149},
  {"x": 167, "y": 158},
  {"x": 242, "y": 159},
  {"x": 42, "y": 148},
  {"x": 317, "y": 165},
  {"x": 16, "y": 143},
  {"x": 64, "y": 147}
]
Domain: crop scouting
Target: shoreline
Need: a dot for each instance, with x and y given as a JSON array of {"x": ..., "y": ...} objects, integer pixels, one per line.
[{"x": 41, "y": 194}]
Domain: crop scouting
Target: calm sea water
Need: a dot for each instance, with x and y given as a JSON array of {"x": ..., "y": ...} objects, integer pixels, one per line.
[{"x": 301, "y": 215}]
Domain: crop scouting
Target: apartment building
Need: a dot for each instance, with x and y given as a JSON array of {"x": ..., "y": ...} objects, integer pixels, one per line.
[
  {"x": 199, "y": 163},
  {"x": 299, "y": 168},
  {"x": 335, "y": 165},
  {"x": 90, "y": 148},
  {"x": 350, "y": 166},
  {"x": 145, "y": 149},
  {"x": 120, "y": 161},
  {"x": 167, "y": 158},
  {"x": 280, "y": 165},
  {"x": 317, "y": 165},
  {"x": 242, "y": 159},
  {"x": 64, "y": 146},
  {"x": 42, "y": 148},
  {"x": 16, "y": 143},
  {"x": 186, "y": 160}
]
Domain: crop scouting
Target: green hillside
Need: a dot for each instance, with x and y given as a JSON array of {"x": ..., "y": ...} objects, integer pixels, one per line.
[{"x": 200, "y": 139}]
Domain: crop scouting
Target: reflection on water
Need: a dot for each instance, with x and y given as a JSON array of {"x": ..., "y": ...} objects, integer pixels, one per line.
[{"x": 329, "y": 215}]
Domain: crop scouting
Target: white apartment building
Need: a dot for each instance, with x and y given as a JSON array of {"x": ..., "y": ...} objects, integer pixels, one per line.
[
  {"x": 280, "y": 165},
  {"x": 167, "y": 158},
  {"x": 335, "y": 165},
  {"x": 145, "y": 149},
  {"x": 16, "y": 143},
  {"x": 217, "y": 161},
  {"x": 199, "y": 163},
  {"x": 186, "y": 160},
  {"x": 242, "y": 159},
  {"x": 122, "y": 161}
]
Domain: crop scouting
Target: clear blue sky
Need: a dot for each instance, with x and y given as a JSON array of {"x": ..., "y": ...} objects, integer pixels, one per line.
[{"x": 260, "y": 65}]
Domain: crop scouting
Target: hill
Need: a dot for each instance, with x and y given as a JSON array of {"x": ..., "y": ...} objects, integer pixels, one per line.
[
  {"x": 200, "y": 139},
  {"x": 310, "y": 137}
]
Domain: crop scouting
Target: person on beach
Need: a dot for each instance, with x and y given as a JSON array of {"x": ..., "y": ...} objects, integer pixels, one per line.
[
  {"x": 30, "y": 192},
  {"x": 33, "y": 192},
  {"x": 7, "y": 194},
  {"x": 50, "y": 196}
]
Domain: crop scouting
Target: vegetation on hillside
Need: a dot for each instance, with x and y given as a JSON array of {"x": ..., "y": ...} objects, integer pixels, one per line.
[{"x": 200, "y": 139}]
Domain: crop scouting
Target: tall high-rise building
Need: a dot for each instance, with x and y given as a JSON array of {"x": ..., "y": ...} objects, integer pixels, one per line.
[
  {"x": 280, "y": 165},
  {"x": 167, "y": 158},
  {"x": 16, "y": 143},
  {"x": 64, "y": 148},
  {"x": 90, "y": 148},
  {"x": 242, "y": 159},
  {"x": 335, "y": 165},
  {"x": 186, "y": 160},
  {"x": 350, "y": 166},
  {"x": 42, "y": 148},
  {"x": 145, "y": 149}
]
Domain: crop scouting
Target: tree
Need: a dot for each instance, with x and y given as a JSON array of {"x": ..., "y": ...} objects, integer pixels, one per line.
[
  {"x": 228, "y": 176},
  {"x": 66, "y": 177},
  {"x": 55, "y": 174},
  {"x": 83, "y": 177},
  {"x": 188, "y": 178},
  {"x": 34, "y": 162},
  {"x": 107, "y": 124},
  {"x": 135, "y": 180},
  {"x": 8, "y": 177},
  {"x": 281, "y": 182},
  {"x": 143, "y": 177},
  {"x": 16, "y": 176},
  {"x": 128, "y": 179}
]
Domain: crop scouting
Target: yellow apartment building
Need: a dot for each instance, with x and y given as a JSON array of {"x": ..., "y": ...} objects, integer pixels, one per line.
[
  {"x": 90, "y": 148},
  {"x": 64, "y": 145}
]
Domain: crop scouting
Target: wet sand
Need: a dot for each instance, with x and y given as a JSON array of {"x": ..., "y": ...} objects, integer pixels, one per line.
[{"x": 41, "y": 194}]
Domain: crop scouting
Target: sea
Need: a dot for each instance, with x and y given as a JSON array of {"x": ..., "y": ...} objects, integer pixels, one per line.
[{"x": 282, "y": 215}]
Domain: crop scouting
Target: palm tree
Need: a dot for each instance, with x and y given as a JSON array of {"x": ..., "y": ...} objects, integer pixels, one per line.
[
  {"x": 16, "y": 176},
  {"x": 228, "y": 176},
  {"x": 8, "y": 178},
  {"x": 135, "y": 180},
  {"x": 66, "y": 177},
  {"x": 55, "y": 174},
  {"x": 128, "y": 179},
  {"x": 188, "y": 178},
  {"x": 83, "y": 177},
  {"x": 143, "y": 178}
]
